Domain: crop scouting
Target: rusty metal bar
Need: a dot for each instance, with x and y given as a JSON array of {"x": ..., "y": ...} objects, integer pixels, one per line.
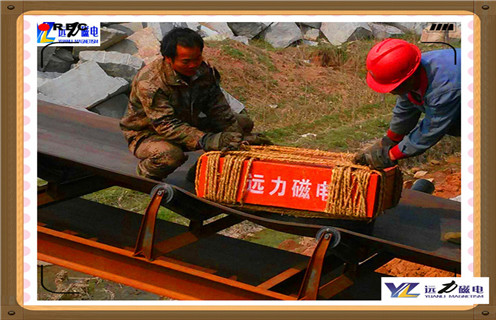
[
  {"x": 283, "y": 276},
  {"x": 310, "y": 286},
  {"x": 335, "y": 286},
  {"x": 158, "y": 276},
  {"x": 186, "y": 238},
  {"x": 146, "y": 234}
]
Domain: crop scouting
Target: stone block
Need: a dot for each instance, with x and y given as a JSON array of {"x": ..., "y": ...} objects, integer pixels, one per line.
[
  {"x": 282, "y": 34},
  {"x": 147, "y": 44},
  {"x": 340, "y": 32},
  {"x": 247, "y": 29},
  {"x": 124, "y": 46},
  {"x": 108, "y": 37},
  {"x": 114, "y": 107},
  {"x": 115, "y": 64},
  {"x": 83, "y": 87}
]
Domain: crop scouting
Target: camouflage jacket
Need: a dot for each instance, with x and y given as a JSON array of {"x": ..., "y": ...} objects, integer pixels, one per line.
[{"x": 161, "y": 103}]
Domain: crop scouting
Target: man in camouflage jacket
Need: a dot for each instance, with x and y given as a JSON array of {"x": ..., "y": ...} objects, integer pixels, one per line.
[{"x": 168, "y": 99}]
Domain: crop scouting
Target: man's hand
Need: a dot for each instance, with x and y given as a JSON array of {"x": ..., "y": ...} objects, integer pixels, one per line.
[
  {"x": 257, "y": 139},
  {"x": 376, "y": 156},
  {"x": 221, "y": 141}
]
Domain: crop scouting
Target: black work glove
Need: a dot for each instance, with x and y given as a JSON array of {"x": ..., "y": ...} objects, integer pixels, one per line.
[
  {"x": 257, "y": 139},
  {"x": 376, "y": 156},
  {"x": 221, "y": 141}
]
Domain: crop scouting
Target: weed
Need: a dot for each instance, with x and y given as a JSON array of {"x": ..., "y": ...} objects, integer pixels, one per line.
[{"x": 235, "y": 53}]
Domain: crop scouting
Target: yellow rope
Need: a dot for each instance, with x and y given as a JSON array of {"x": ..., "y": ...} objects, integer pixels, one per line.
[{"x": 347, "y": 190}]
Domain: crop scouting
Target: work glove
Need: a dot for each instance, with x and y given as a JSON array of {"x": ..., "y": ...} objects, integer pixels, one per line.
[
  {"x": 377, "y": 156},
  {"x": 387, "y": 142},
  {"x": 222, "y": 141},
  {"x": 257, "y": 139}
]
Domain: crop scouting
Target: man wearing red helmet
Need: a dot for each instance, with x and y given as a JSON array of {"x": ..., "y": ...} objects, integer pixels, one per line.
[{"x": 427, "y": 83}]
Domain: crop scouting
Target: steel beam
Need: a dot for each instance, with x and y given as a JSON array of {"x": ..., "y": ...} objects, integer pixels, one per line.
[{"x": 160, "y": 276}]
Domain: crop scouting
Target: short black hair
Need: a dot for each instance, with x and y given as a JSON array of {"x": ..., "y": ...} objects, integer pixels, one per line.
[{"x": 179, "y": 36}]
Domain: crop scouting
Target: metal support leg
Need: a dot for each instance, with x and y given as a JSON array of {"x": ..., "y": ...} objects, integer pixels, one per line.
[
  {"x": 310, "y": 286},
  {"x": 146, "y": 235}
]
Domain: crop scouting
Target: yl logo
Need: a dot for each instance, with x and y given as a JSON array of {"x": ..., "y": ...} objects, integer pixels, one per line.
[{"x": 403, "y": 290}]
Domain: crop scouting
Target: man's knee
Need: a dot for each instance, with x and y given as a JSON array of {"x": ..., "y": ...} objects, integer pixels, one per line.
[{"x": 159, "y": 159}]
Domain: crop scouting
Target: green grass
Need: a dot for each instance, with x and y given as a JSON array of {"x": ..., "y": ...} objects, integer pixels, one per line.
[
  {"x": 271, "y": 238},
  {"x": 236, "y": 53},
  {"x": 131, "y": 200}
]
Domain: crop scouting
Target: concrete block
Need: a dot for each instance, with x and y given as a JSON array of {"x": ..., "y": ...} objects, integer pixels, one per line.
[
  {"x": 124, "y": 46},
  {"x": 340, "y": 32},
  {"x": 147, "y": 44},
  {"x": 309, "y": 33},
  {"x": 108, "y": 37},
  {"x": 315, "y": 25},
  {"x": 220, "y": 27},
  {"x": 55, "y": 59},
  {"x": 247, "y": 29},
  {"x": 115, "y": 64},
  {"x": 282, "y": 34},
  {"x": 83, "y": 87},
  {"x": 114, "y": 107}
]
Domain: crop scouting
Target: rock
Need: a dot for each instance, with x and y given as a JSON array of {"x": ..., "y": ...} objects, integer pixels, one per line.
[
  {"x": 55, "y": 59},
  {"x": 44, "y": 77},
  {"x": 124, "y": 46},
  {"x": 315, "y": 25},
  {"x": 235, "y": 104},
  {"x": 310, "y": 34},
  {"x": 220, "y": 27},
  {"x": 247, "y": 29},
  {"x": 360, "y": 34},
  {"x": 206, "y": 32},
  {"x": 309, "y": 135},
  {"x": 419, "y": 174},
  {"x": 128, "y": 28},
  {"x": 340, "y": 32},
  {"x": 49, "y": 75},
  {"x": 160, "y": 29},
  {"x": 383, "y": 31},
  {"x": 115, "y": 64},
  {"x": 193, "y": 26},
  {"x": 217, "y": 37},
  {"x": 108, "y": 37},
  {"x": 282, "y": 34},
  {"x": 114, "y": 107},
  {"x": 83, "y": 87},
  {"x": 47, "y": 54},
  {"x": 416, "y": 27},
  {"x": 147, "y": 44},
  {"x": 311, "y": 43},
  {"x": 435, "y": 162},
  {"x": 241, "y": 39}
]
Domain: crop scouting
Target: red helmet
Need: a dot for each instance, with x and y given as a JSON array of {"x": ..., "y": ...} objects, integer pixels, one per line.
[{"x": 390, "y": 62}]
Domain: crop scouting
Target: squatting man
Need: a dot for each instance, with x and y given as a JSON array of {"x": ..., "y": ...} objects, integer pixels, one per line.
[
  {"x": 427, "y": 83},
  {"x": 167, "y": 101}
]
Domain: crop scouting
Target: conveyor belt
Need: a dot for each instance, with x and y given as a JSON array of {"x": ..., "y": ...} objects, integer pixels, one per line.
[{"x": 413, "y": 230}]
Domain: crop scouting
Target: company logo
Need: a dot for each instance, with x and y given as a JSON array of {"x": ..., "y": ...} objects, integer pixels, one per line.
[
  {"x": 403, "y": 290},
  {"x": 73, "y": 32}
]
